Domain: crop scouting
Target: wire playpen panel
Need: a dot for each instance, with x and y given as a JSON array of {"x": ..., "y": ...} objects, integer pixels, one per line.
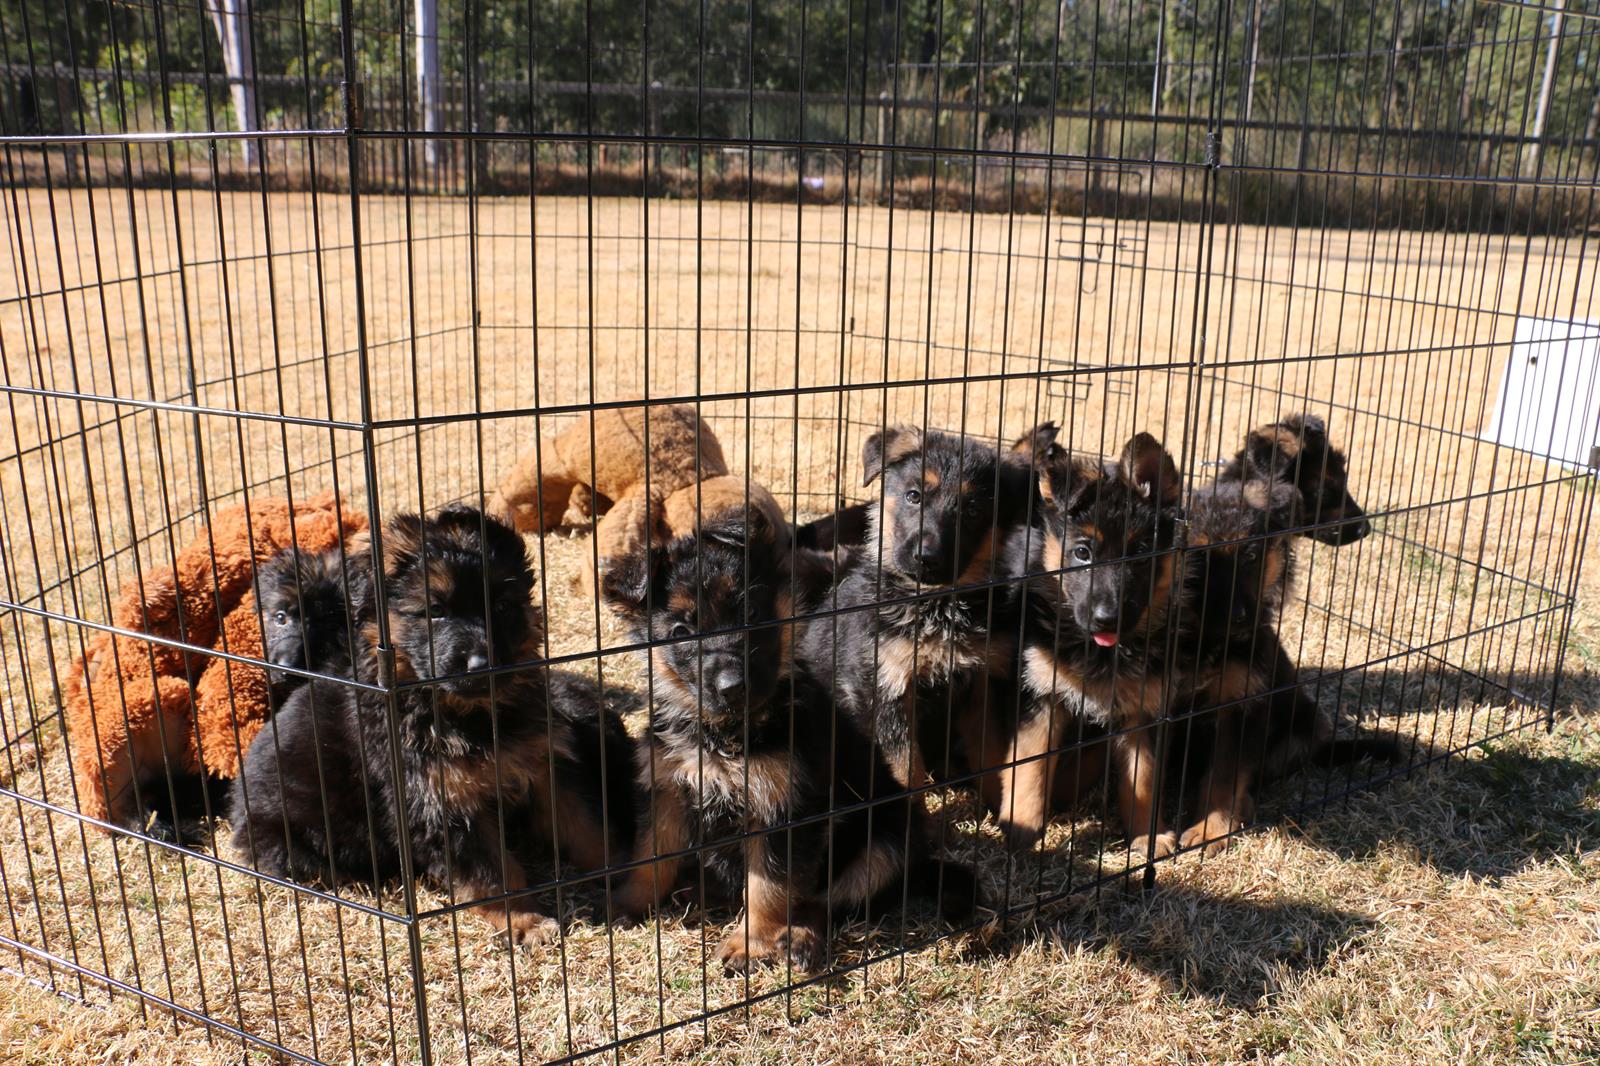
[{"x": 807, "y": 224}]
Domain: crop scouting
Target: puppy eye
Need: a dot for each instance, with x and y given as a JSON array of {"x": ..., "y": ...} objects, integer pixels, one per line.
[
  {"x": 282, "y": 618},
  {"x": 913, "y": 496},
  {"x": 1251, "y": 553},
  {"x": 680, "y": 630},
  {"x": 975, "y": 506},
  {"x": 1082, "y": 553}
]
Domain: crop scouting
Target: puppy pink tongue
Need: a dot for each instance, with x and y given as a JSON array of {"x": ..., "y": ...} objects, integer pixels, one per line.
[{"x": 1105, "y": 640}]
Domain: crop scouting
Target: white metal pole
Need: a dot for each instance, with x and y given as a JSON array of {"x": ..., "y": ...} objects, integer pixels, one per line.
[{"x": 428, "y": 74}]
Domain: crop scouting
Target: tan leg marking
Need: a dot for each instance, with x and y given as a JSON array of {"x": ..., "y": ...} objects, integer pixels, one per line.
[
  {"x": 666, "y": 831},
  {"x": 1025, "y": 785},
  {"x": 1137, "y": 783},
  {"x": 765, "y": 933},
  {"x": 1224, "y": 790}
]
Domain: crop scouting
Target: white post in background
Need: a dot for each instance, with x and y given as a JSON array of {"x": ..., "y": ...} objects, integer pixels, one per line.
[
  {"x": 232, "y": 21},
  {"x": 428, "y": 74},
  {"x": 1530, "y": 161},
  {"x": 1255, "y": 56}
]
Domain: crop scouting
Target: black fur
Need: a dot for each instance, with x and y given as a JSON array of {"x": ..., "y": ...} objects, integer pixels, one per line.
[
  {"x": 1096, "y": 616},
  {"x": 306, "y": 623},
  {"x": 1237, "y": 571},
  {"x": 1296, "y": 450},
  {"x": 845, "y": 527},
  {"x": 475, "y": 752},
  {"x": 901, "y": 662},
  {"x": 774, "y": 753},
  {"x": 1244, "y": 719}
]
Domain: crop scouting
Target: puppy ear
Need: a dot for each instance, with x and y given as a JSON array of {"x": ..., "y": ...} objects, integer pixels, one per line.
[
  {"x": 1067, "y": 482},
  {"x": 1306, "y": 426},
  {"x": 625, "y": 583},
  {"x": 736, "y": 530},
  {"x": 1012, "y": 487},
  {"x": 882, "y": 450},
  {"x": 272, "y": 574},
  {"x": 1271, "y": 451},
  {"x": 1039, "y": 443},
  {"x": 1146, "y": 466},
  {"x": 402, "y": 542},
  {"x": 1276, "y": 500},
  {"x": 813, "y": 575}
]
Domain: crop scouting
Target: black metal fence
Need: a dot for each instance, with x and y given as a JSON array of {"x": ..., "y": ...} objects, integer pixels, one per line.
[{"x": 806, "y": 225}]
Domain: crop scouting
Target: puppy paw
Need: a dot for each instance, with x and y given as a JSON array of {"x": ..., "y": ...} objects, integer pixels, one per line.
[
  {"x": 800, "y": 944},
  {"x": 737, "y": 952},
  {"x": 1213, "y": 832},
  {"x": 1165, "y": 844},
  {"x": 1020, "y": 837},
  {"x": 529, "y": 927}
]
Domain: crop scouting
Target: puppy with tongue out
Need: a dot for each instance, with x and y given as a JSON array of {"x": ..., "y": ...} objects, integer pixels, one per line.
[
  {"x": 1108, "y": 536},
  {"x": 1096, "y": 616}
]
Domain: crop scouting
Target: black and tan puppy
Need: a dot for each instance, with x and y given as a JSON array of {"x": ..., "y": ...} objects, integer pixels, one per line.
[
  {"x": 485, "y": 755},
  {"x": 306, "y": 623},
  {"x": 900, "y": 660},
  {"x": 847, "y": 525},
  {"x": 1237, "y": 573},
  {"x": 1296, "y": 450},
  {"x": 746, "y": 755},
  {"x": 1236, "y": 576},
  {"x": 1095, "y": 631}
]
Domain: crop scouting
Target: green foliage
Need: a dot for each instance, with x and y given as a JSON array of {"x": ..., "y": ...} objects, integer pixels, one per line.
[{"x": 1325, "y": 82}]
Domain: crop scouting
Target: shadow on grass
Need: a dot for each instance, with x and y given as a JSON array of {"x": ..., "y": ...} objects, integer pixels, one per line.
[{"x": 1489, "y": 815}]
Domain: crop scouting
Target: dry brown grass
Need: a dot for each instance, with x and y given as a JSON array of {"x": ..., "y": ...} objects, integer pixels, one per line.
[{"x": 1452, "y": 916}]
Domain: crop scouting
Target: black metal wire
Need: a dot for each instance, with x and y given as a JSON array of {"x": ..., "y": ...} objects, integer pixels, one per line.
[{"x": 1260, "y": 209}]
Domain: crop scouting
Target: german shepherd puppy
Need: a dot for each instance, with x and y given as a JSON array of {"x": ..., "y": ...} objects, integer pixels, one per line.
[
  {"x": 306, "y": 622},
  {"x": 1296, "y": 450},
  {"x": 1237, "y": 575},
  {"x": 896, "y": 658},
  {"x": 1235, "y": 579},
  {"x": 744, "y": 744},
  {"x": 482, "y": 757},
  {"x": 847, "y": 526},
  {"x": 1094, "y": 622}
]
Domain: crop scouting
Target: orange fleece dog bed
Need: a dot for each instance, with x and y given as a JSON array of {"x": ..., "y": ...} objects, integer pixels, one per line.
[{"x": 133, "y": 707}]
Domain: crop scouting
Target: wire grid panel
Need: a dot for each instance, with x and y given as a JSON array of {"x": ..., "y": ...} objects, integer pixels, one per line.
[{"x": 299, "y": 268}]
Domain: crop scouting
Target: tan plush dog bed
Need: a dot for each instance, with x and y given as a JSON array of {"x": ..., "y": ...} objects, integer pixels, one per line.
[{"x": 565, "y": 473}]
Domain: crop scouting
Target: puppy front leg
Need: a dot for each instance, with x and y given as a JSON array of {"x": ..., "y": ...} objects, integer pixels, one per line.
[
  {"x": 778, "y": 920},
  {"x": 897, "y": 740},
  {"x": 1138, "y": 780},
  {"x": 983, "y": 738},
  {"x": 1225, "y": 788},
  {"x": 1025, "y": 783},
  {"x": 485, "y": 870},
  {"x": 664, "y": 832}
]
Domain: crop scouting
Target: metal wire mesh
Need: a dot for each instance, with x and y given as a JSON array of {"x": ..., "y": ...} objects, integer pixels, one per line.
[{"x": 380, "y": 250}]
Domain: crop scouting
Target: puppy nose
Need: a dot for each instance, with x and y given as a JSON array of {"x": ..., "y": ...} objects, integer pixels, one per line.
[
  {"x": 1105, "y": 618},
  {"x": 730, "y": 687},
  {"x": 478, "y": 659},
  {"x": 928, "y": 550}
]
